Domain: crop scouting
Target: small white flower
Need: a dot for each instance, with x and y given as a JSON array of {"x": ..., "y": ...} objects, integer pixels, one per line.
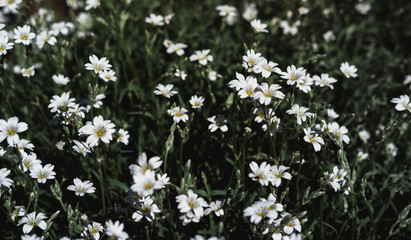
[
  {"x": 93, "y": 230},
  {"x": 278, "y": 173},
  {"x": 250, "y": 12},
  {"x": 80, "y": 188},
  {"x": 324, "y": 80},
  {"x": 313, "y": 138},
  {"x": 332, "y": 114},
  {"x": 147, "y": 209},
  {"x": 215, "y": 207},
  {"x": 213, "y": 75},
  {"x": 144, "y": 165},
  {"x": 123, "y": 136},
  {"x": 165, "y": 90},
  {"x": 348, "y": 70},
  {"x": 261, "y": 173},
  {"x": 403, "y": 103},
  {"x": 364, "y": 136},
  {"x": 293, "y": 224},
  {"x": 61, "y": 103},
  {"x": 23, "y": 35},
  {"x": 155, "y": 20},
  {"x": 267, "y": 92},
  {"x": 60, "y": 145},
  {"x": 10, "y": 130},
  {"x": 290, "y": 28},
  {"x": 81, "y": 147},
  {"x": 4, "y": 181},
  {"x": 266, "y": 68},
  {"x": 29, "y": 162},
  {"x": 115, "y": 230},
  {"x": 60, "y": 79},
  {"x": 108, "y": 75},
  {"x": 218, "y": 122},
  {"x": 329, "y": 36},
  {"x": 247, "y": 87},
  {"x": 339, "y": 132},
  {"x": 10, "y": 6},
  {"x": 191, "y": 203},
  {"x": 5, "y": 44},
  {"x": 32, "y": 220},
  {"x": 97, "y": 65},
  {"x": 202, "y": 57},
  {"x": 28, "y": 72},
  {"x": 300, "y": 112},
  {"x": 293, "y": 75},
  {"x": 258, "y": 26},
  {"x": 196, "y": 102},
  {"x": 363, "y": 8},
  {"x": 45, "y": 37},
  {"x": 180, "y": 74},
  {"x": 92, "y": 4},
  {"x": 178, "y": 114},
  {"x": 251, "y": 59},
  {"x": 100, "y": 129},
  {"x": 145, "y": 184},
  {"x": 22, "y": 144},
  {"x": 178, "y": 48},
  {"x": 42, "y": 173}
]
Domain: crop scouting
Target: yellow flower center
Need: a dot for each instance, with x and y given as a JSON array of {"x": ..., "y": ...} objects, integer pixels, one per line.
[
  {"x": 24, "y": 37},
  {"x": 1, "y": 49},
  {"x": 178, "y": 114},
  {"x": 196, "y": 104},
  {"x": 261, "y": 214},
  {"x": 267, "y": 69},
  {"x": 94, "y": 230},
  {"x": 278, "y": 175},
  {"x": 251, "y": 62},
  {"x": 11, "y": 132},
  {"x": 249, "y": 92},
  {"x": 100, "y": 132},
  {"x": 290, "y": 224},
  {"x": 271, "y": 207},
  {"x": 145, "y": 209},
  {"x": 28, "y": 72},
  {"x": 46, "y": 39},
  {"x": 11, "y": 1},
  {"x": 267, "y": 94},
  {"x": 42, "y": 176},
  {"x": 202, "y": 57},
  {"x": 191, "y": 204},
  {"x": 147, "y": 186},
  {"x": 293, "y": 78},
  {"x": 27, "y": 165},
  {"x": 312, "y": 139},
  {"x": 337, "y": 134},
  {"x": 261, "y": 115}
]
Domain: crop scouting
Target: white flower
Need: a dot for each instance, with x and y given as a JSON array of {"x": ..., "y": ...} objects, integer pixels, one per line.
[
  {"x": 96, "y": 102},
  {"x": 313, "y": 138},
  {"x": 29, "y": 162},
  {"x": 191, "y": 203},
  {"x": 338, "y": 131},
  {"x": 290, "y": 27},
  {"x": 261, "y": 173},
  {"x": 202, "y": 57},
  {"x": 155, "y": 20},
  {"x": 251, "y": 59},
  {"x": 5, "y": 44},
  {"x": 80, "y": 188},
  {"x": 247, "y": 87},
  {"x": 364, "y": 136},
  {"x": 336, "y": 179},
  {"x": 75, "y": 4},
  {"x": 180, "y": 74},
  {"x": 278, "y": 173},
  {"x": 45, "y": 37},
  {"x": 293, "y": 224},
  {"x": 42, "y": 173},
  {"x": 266, "y": 68},
  {"x": 28, "y": 72},
  {"x": 60, "y": 79},
  {"x": 167, "y": 18},
  {"x": 97, "y": 65},
  {"x": 93, "y": 230},
  {"x": 196, "y": 102},
  {"x": 61, "y": 27},
  {"x": 392, "y": 149},
  {"x": 123, "y": 136},
  {"x": 115, "y": 230},
  {"x": 272, "y": 125},
  {"x": 10, "y": 6},
  {"x": 32, "y": 220},
  {"x": 332, "y": 114},
  {"x": 324, "y": 80},
  {"x": 348, "y": 70},
  {"x": 147, "y": 209},
  {"x": 293, "y": 75},
  {"x": 81, "y": 147},
  {"x": 10, "y": 130},
  {"x": 108, "y": 75},
  {"x": 363, "y": 8},
  {"x": 300, "y": 112},
  {"x": 100, "y": 129},
  {"x": 258, "y": 211},
  {"x": 258, "y": 26},
  {"x": 178, "y": 114},
  {"x": 267, "y": 92},
  {"x": 407, "y": 80},
  {"x": 60, "y": 145},
  {"x": 61, "y": 103},
  {"x": 165, "y": 90},
  {"x": 4, "y": 181},
  {"x": 144, "y": 165},
  {"x": 215, "y": 207},
  {"x": 261, "y": 116},
  {"x": 250, "y": 12},
  {"x": 22, "y": 144},
  {"x": 329, "y": 36},
  {"x": 305, "y": 83},
  {"x": 146, "y": 183},
  {"x": 163, "y": 179},
  {"x": 403, "y": 103},
  {"x": 218, "y": 122},
  {"x": 178, "y": 48},
  {"x": 92, "y": 4},
  {"x": 18, "y": 211},
  {"x": 362, "y": 156},
  {"x": 225, "y": 10},
  {"x": 23, "y": 35},
  {"x": 213, "y": 75}
]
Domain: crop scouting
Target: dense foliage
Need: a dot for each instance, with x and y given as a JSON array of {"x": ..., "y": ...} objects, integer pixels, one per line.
[{"x": 299, "y": 128}]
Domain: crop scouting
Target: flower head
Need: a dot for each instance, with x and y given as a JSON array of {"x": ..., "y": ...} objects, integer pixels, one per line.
[
  {"x": 80, "y": 188},
  {"x": 23, "y": 35},
  {"x": 97, "y": 130},
  {"x": 98, "y": 65},
  {"x": 202, "y": 57},
  {"x": 165, "y": 90},
  {"x": 10, "y": 130},
  {"x": 348, "y": 70}
]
